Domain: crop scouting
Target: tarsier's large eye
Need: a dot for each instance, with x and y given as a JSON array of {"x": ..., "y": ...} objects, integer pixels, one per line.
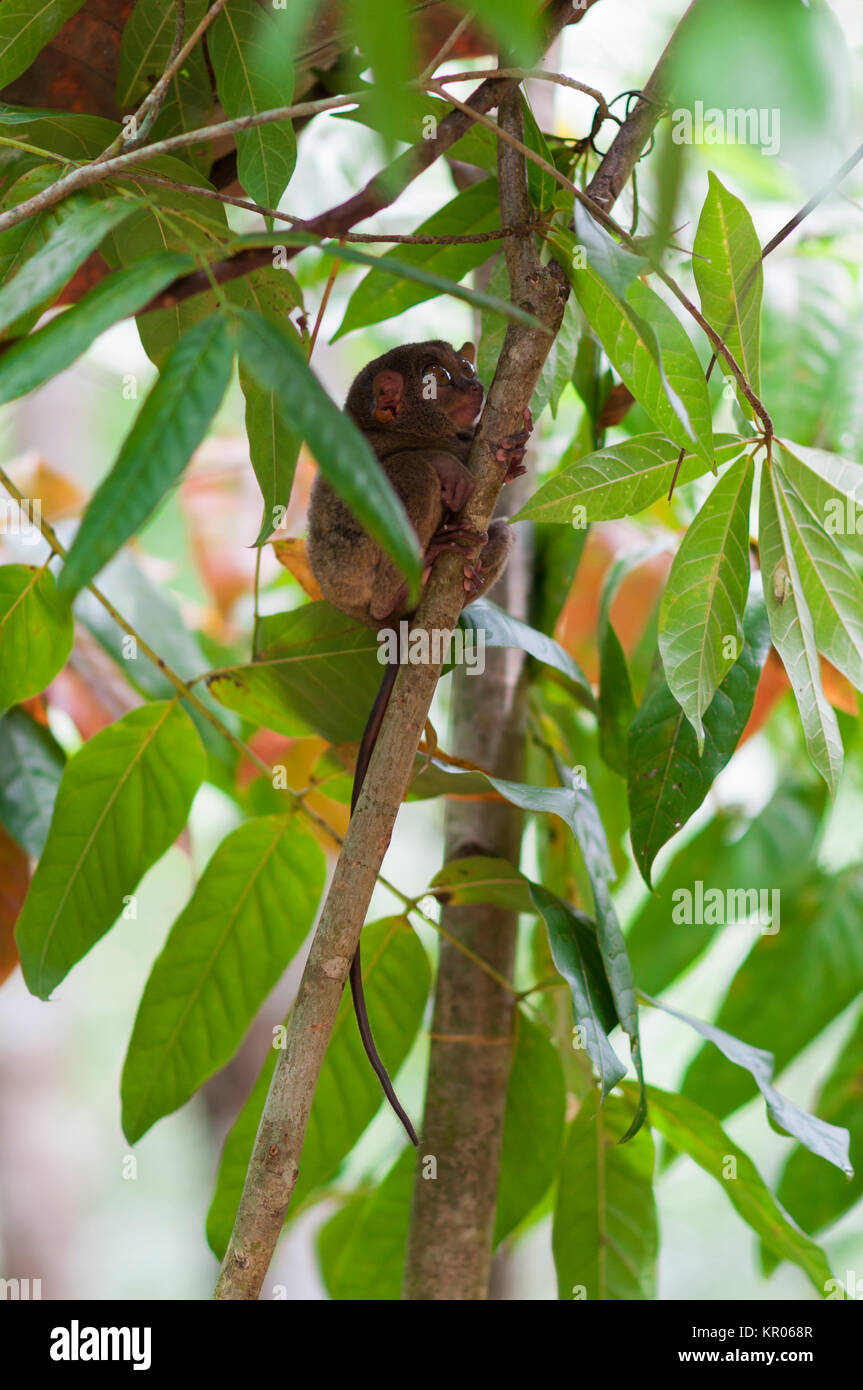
[
  {"x": 467, "y": 367},
  {"x": 433, "y": 371}
]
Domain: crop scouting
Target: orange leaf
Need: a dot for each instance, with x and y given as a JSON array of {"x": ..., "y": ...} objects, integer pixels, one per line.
[
  {"x": 14, "y": 882},
  {"x": 294, "y": 556}
]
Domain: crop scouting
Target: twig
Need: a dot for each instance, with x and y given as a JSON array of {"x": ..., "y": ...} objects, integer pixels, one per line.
[
  {"x": 446, "y": 47},
  {"x": 531, "y": 74}
]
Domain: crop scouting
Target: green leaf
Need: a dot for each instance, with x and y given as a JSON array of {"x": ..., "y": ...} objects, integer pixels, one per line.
[
  {"x": 832, "y": 589},
  {"x": 170, "y": 425},
  {"x": 680, "y": 361},
  {"x": 348, "y": 1094},
  {"x": 576, "y": 955},
  {"x": 362, "y": 1248},
  {"x": 478, "y": 878},
  {"x": 247, "y": 918},
  {"x": 32, "y": 762},
  {"x": 792, "y": 632},
  {"x": 532, "y": 1127},
  {"x": 825, "y": 1140},
  {"x": 813, "y": 1196},
  {"x": 667, "y": 779},
  {"x": 386, "y": 40},
  {"x": 515, "y": 23},
  {"x": 616, "y": 701},
  {"x": 34, "y": 359},
  {"x": 399, "y": 269},
  {"x": 501, "y": 630},
  {"x": 316, "y": 670},
  {"x": 84, "y": 225},
  {"x": 701, "y": 614},
  {"x": 148, "y": 38},
  {"x": 343, "y": 455},
  {"x": 729, "y": 276},
  {"x": 803, "y": 977},
  {"x": 382, "y": 296},
  {"x": 618, "y": 481},
  {"x": 124, "y": 798},
  {"x": 831, "y": 487},
  {"x": 605, "y": 1235},
  {"x": 694, "y": 1131},
  {"x": 273, "y": 448},
  {"x": 25, "y": 28},
  {"x": 775, "y": 848},
  {"x": 36, "y": 632},
  {"x": 238, "y": 43}
]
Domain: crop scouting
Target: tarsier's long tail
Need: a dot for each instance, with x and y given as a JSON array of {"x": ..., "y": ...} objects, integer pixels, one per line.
[{"x": 369, "y": 738}]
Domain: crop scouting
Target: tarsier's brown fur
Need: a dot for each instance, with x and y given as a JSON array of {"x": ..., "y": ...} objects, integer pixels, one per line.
[
  {"x": 417, "y": 406},
  {"x": 422, "y": 443}
]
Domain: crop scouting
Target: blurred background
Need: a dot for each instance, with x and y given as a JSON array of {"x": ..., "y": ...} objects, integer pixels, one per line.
[{"x": 77, "y": 1208}]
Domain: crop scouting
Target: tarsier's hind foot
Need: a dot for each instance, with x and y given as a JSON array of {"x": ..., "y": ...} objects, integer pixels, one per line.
[
  {"x": 481, "y": 574},
  {"x": 455, "y": 535}
]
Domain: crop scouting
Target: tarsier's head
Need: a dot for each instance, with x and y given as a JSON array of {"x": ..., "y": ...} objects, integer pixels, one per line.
[{"x": 426, "y": 389}]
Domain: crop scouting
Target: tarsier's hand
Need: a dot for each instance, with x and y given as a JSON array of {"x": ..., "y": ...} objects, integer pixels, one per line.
[
  {"x": 511, "y": 450},
  {"x": 456, "y": 483}
]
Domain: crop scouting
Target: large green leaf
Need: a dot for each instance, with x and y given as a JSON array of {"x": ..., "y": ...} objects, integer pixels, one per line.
[
  {"x": 691, "y": 1130},
  {"x": 728, "y": 273},
  {"x": 315, "y": 671},
  {"x": 701, "y": 614},
  {"x": 630, "y": 341},
  {"x": 123, "y": 800},
  {"x": 381, "y": 296},
  {"x": 814, "y": 1196},
  {"x": 343, "y": 455},
  {"x": 803, "y": 977},
  {"x": 362, "y": 1248},
  {"x": 25, "y": 28},
  {"x": 776, "y": 848},
  {"x": 826, "y": 1140},
  {"x": 170, "y": 425},
  {"x": 679, "y": 360},
  {"x": 576, "y": 955},
  {"x": 387, "y": 42},
  {"x": 616, "y": 701},
  {"x": 398, "y": 269},
  {"x": 833, "y": 590},
  {"x": 32, "y": 763},
  {"x": 238, "y": 43},
  {"x": 32, "y": 360},
  {"x": 348, "y": 1094},
  {"x": 85, "y": 223},
  {"x": 532, "y": 1127},
  {"x": 247, "y": 918},
  {"x": 667, "y": 779},
  {"x": 618, "y": 481},
  {"x": 148, "y": 38},
  {"x": 792, "y": 631},
  {"x": 831, "y": 487},
  {"x": 605, "y": 1235},
  {"x": 36, "y": 632},
  {"x": 499, "y": 629}
]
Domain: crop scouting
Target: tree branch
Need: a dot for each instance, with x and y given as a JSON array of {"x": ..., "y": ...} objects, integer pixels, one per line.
[
  {"x": 275, "y": 1160},
  {"x": 468, "y": 1073}
]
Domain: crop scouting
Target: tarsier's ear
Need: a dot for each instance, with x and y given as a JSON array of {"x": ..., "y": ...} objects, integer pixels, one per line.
[
  {"x": 387, "y": 395},
  {"x": 469, "y": 351}
]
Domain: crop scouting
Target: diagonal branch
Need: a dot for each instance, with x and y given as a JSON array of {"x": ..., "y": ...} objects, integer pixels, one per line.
[{"x": 275, "y": 1160}]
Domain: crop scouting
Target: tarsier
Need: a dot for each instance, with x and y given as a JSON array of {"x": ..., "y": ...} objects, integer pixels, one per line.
[{"x": 418, "y": 407}]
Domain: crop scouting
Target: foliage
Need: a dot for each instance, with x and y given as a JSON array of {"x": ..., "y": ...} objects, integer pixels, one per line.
[{"x": 635, "y": 712}]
